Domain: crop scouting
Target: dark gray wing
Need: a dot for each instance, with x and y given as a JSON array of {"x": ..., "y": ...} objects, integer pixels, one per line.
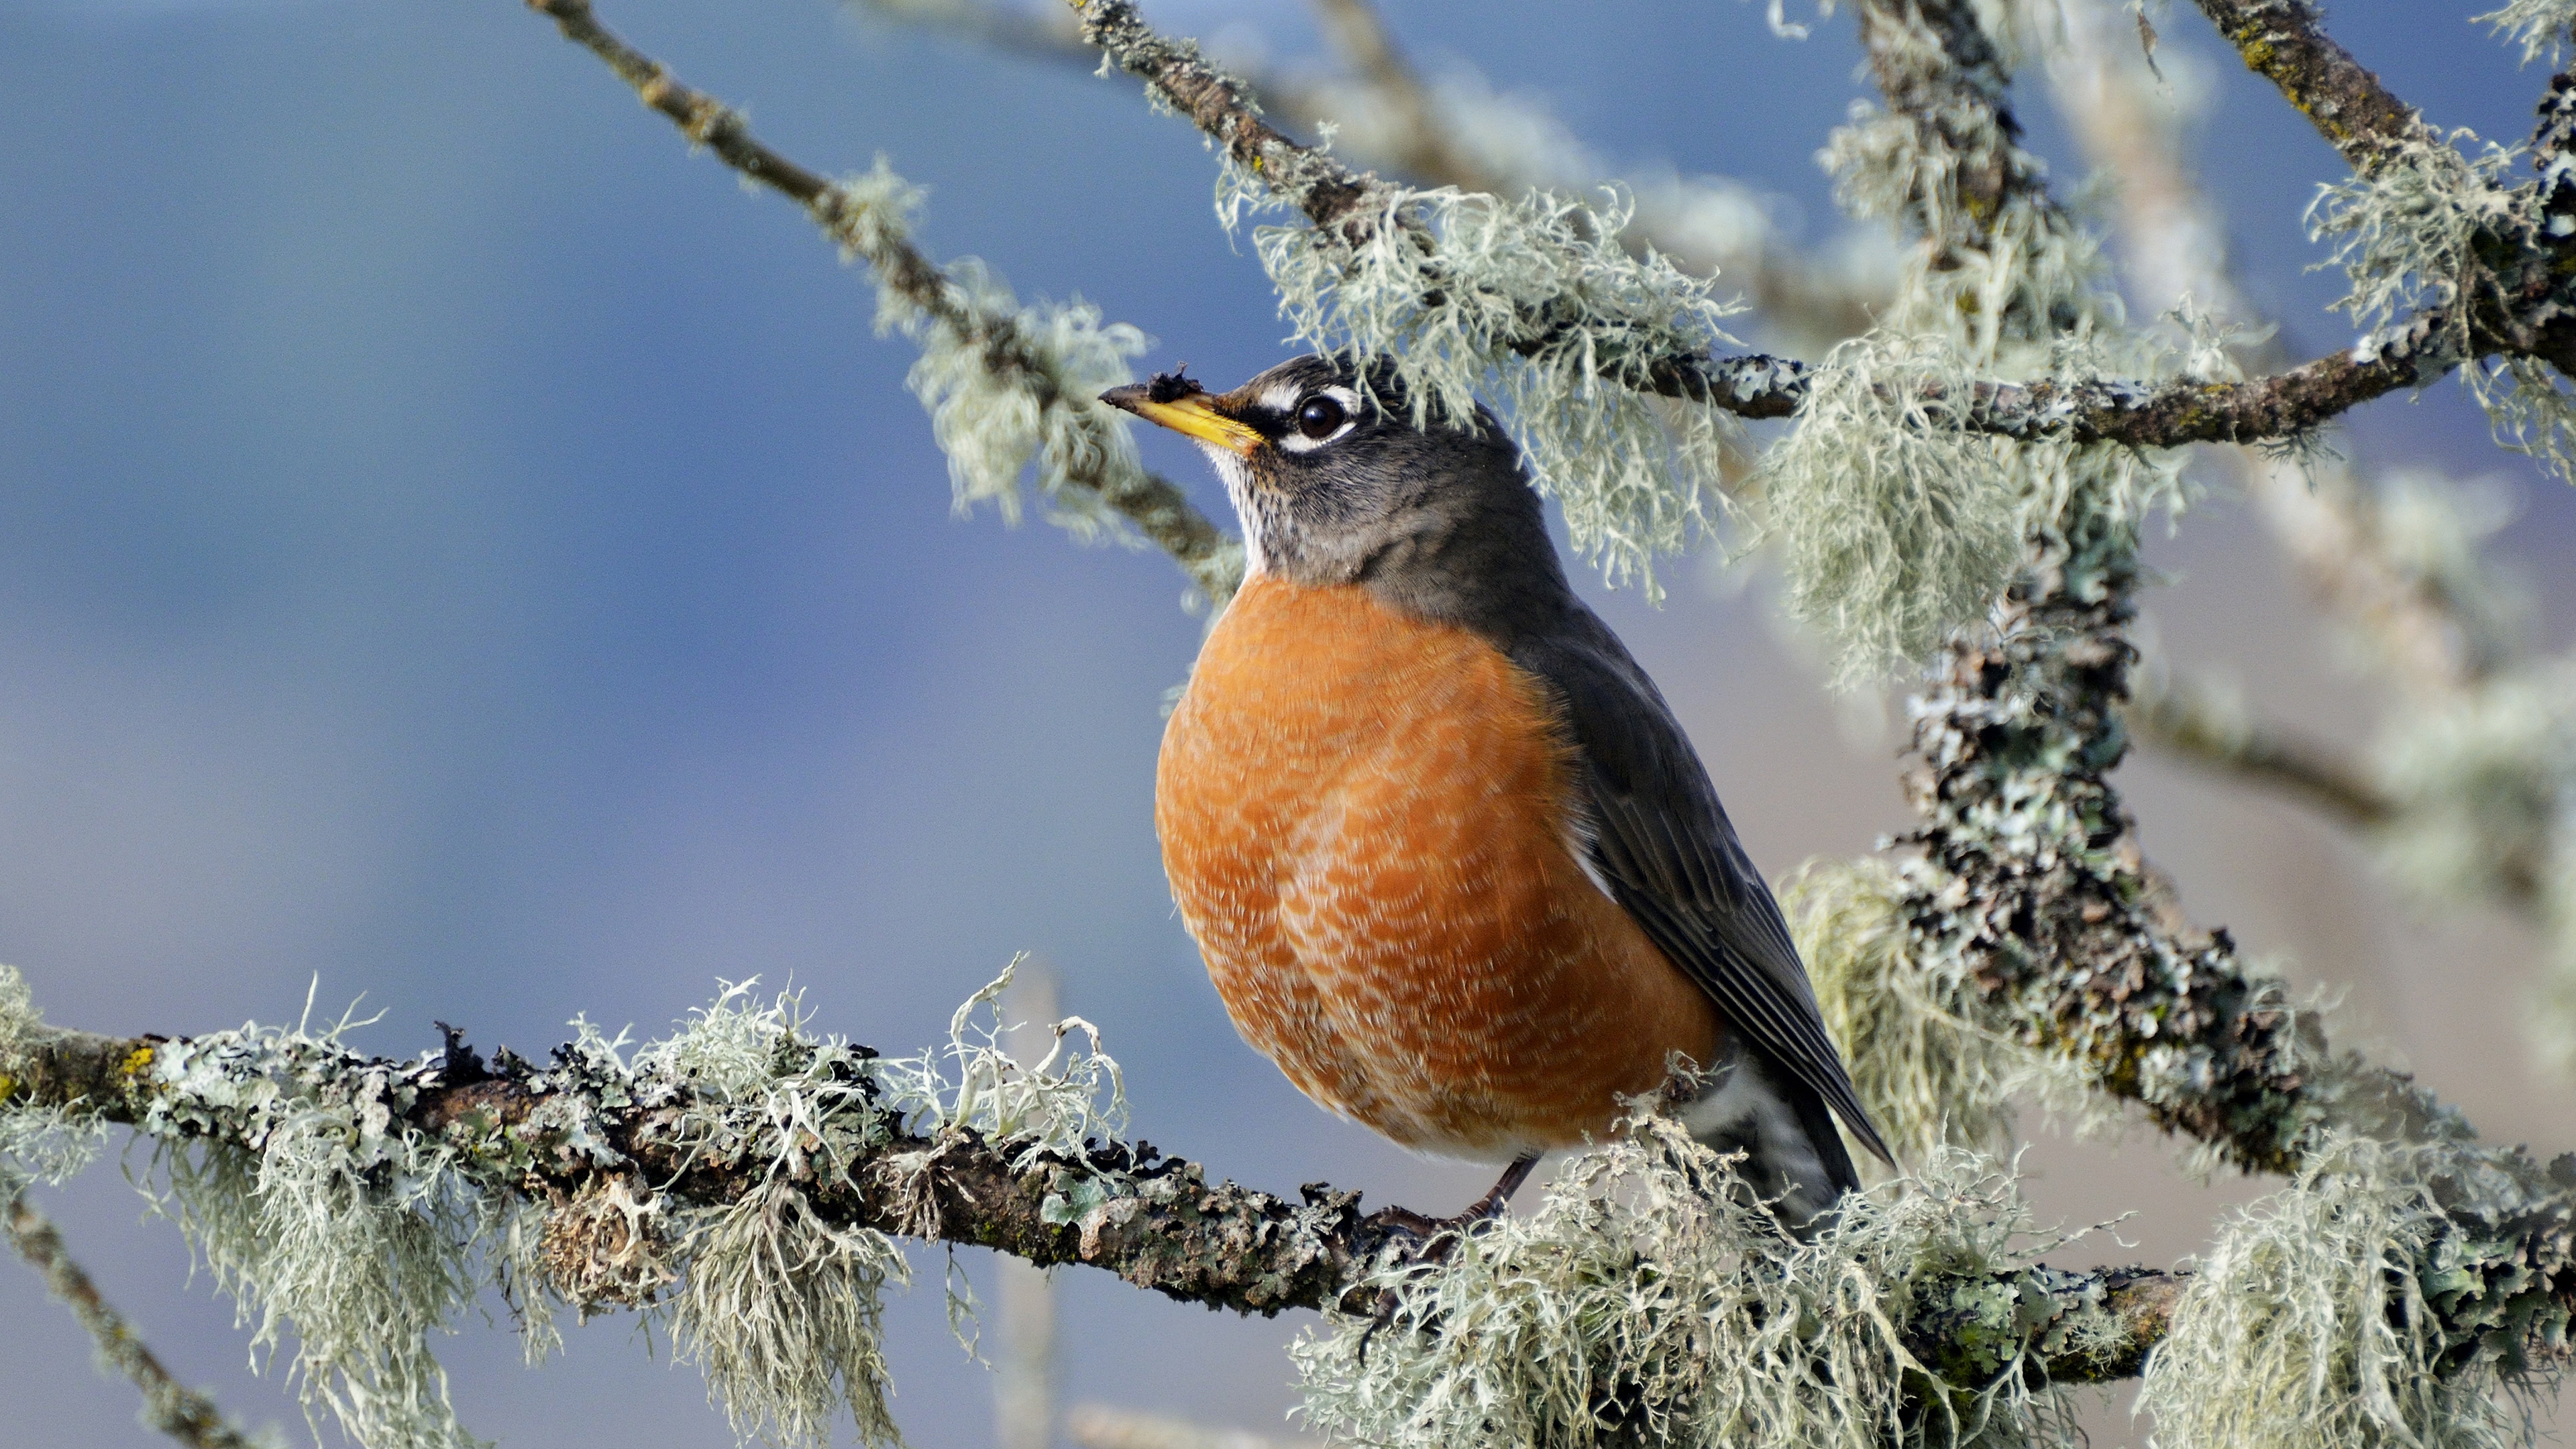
[{"x": 1662, "y": 841}]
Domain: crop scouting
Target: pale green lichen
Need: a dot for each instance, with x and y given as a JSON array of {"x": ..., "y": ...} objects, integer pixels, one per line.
[
  {"x": 2314, "y": 1324},
  {"x": 2529, "y": 408},
  {"x": 1535, "y": 303},
  {"x": 784, "y": 1312},
  {"x": 2417, "y": 234},
  {"x": 18, "y": 1014},
  {"x": 1894, "y": 526},
  {"x": 1649, "y": 1300},
  {"x": 1006, "y": 385},
  {"x": 37, "y": 1144},
  {"x": 2540, "y": 27},
  {"x": 1930, "y": 1073},
  {"x": 1897, "y": 526},
  {"x": 322, "y": 1217},
  {"x": 1069, "y": 1097},
  {"x": 1808, "y": 295},
  {"x": 348, "y": 1237},
  {"x": 2406, "y": 235}
]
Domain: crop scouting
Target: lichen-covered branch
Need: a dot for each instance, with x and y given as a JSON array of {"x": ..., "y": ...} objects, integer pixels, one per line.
[
  {"x": 2285, "y": 42},
  {"x": 1458, "y": 132},
  {"x": 2462, "y": 795},
  {"x": 2032, "y": 890},
  {"x": 1333, "y": 196},
  {"x": 1004, "y": 385},
  {"x": 1350, "y": 205},
  {"x": 579, "y": 1133},
  {"x": 168, "y": 1405},
  {"x": 2036, "y": 883}
]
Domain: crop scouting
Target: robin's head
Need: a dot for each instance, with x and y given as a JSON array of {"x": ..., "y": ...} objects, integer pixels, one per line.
[{"x": 1335, "y": 484}]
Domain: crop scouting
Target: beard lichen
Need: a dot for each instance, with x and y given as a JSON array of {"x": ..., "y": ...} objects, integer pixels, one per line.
[
  {"x": 1457, "y": 289},
  {"x": 1004, "y": 384},
  {"x": 1930, "y": 1072},
  {"x": 49, "y": 1144},
  {"x": 350, "y": 1222},
  {"x": 322, "y": 1218},
  {"x": 1650, "y": 1300},
  {"x": 2418, "y": 238},
  {"x": 1895, "y": 527},
  {"x": 2540, "y": 27},
  {"x": 2330, "y": 1315}
]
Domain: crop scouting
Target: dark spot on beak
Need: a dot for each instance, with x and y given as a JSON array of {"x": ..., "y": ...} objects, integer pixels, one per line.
[{"x": 1172, "y": 386}]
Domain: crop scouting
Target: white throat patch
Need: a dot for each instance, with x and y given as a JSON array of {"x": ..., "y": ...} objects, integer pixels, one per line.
[{"x": 1238, "y": 491}]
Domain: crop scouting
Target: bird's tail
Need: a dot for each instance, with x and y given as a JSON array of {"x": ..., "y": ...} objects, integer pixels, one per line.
[{"x": 1793, "y": 1157}]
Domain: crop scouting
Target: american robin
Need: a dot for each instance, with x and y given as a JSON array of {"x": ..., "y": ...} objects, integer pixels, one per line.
[{"x": 1451, "y": 861}]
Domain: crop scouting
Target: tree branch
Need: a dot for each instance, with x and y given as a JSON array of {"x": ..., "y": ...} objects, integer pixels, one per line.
[
  {"x": 1155, "y": 1221},
  {"x": 1156, "y": 506},
  {"x": 1358, "y": 31},
  {"x": 168, "y": 1406},
  {"x": 1332, "y": 195},
  {"x": 2285, "y": 42},
  {"x": 1757, "y": 386},
  {"x": 1393, "y": 117},
  {"x": 2203, "y": 731}
]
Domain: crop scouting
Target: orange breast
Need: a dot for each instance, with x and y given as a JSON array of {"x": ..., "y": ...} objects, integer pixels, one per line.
[{"x": 1365, "y": 821}]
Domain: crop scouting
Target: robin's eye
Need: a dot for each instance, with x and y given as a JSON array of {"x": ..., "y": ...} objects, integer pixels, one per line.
[{"x": 1320, "y": 417}]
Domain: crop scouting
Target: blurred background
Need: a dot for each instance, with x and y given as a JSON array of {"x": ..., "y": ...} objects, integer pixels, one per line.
[{"x": 457, "y": 545}]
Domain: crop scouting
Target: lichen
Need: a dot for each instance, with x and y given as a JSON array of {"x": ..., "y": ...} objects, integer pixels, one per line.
[
  {"x": 2540, "y": 27},
  {"x": 1005, "y": 385},
  {"x": 2418, "y": 239},
  {"x": 1649, "y": 1300},
  {"x": 1894, "y": 526},
  {"x": 1931, "y": 1072},
  {"x": 2319, "y": 1321},
  {"x": 1536, "y": 304},
  {"x": 350, "y": 1223},
  {"x": 323, "y": 1216},
  {"x": 784, "y": 1312}
]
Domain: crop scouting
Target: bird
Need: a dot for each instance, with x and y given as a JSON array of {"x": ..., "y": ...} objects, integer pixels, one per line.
[{"x": 1450, "y": 859}]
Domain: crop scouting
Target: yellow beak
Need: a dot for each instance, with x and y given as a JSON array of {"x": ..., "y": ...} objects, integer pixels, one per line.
[{"x": 1190, "y": 416}]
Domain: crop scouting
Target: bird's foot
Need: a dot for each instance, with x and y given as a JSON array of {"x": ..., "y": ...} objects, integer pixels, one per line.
[{"x": 1435, "y": 1240}]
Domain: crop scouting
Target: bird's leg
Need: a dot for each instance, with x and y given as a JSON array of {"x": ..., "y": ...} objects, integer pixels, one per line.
[
  {"x": 1435, "y": 1231},
  {"x": 1439, "y": 1237},
  {"x": 1491, "y": 1204}
]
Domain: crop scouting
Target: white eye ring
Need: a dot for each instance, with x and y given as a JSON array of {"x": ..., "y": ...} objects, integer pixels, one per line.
[{"x": 1295, "y": 439}]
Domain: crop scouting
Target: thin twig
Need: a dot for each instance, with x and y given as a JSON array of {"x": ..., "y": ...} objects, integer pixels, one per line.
[
  {"x": 1155, "y": 505},
  {"x": 2285, "y": 42},
  {"x": 169, "y": 1406},
  {"x": 2068, "y": 939},
  {"x": 2196, "y": 728}
]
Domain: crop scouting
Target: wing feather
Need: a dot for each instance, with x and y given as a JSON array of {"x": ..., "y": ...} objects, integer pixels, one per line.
[{"x": 1662, "y": 840}]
